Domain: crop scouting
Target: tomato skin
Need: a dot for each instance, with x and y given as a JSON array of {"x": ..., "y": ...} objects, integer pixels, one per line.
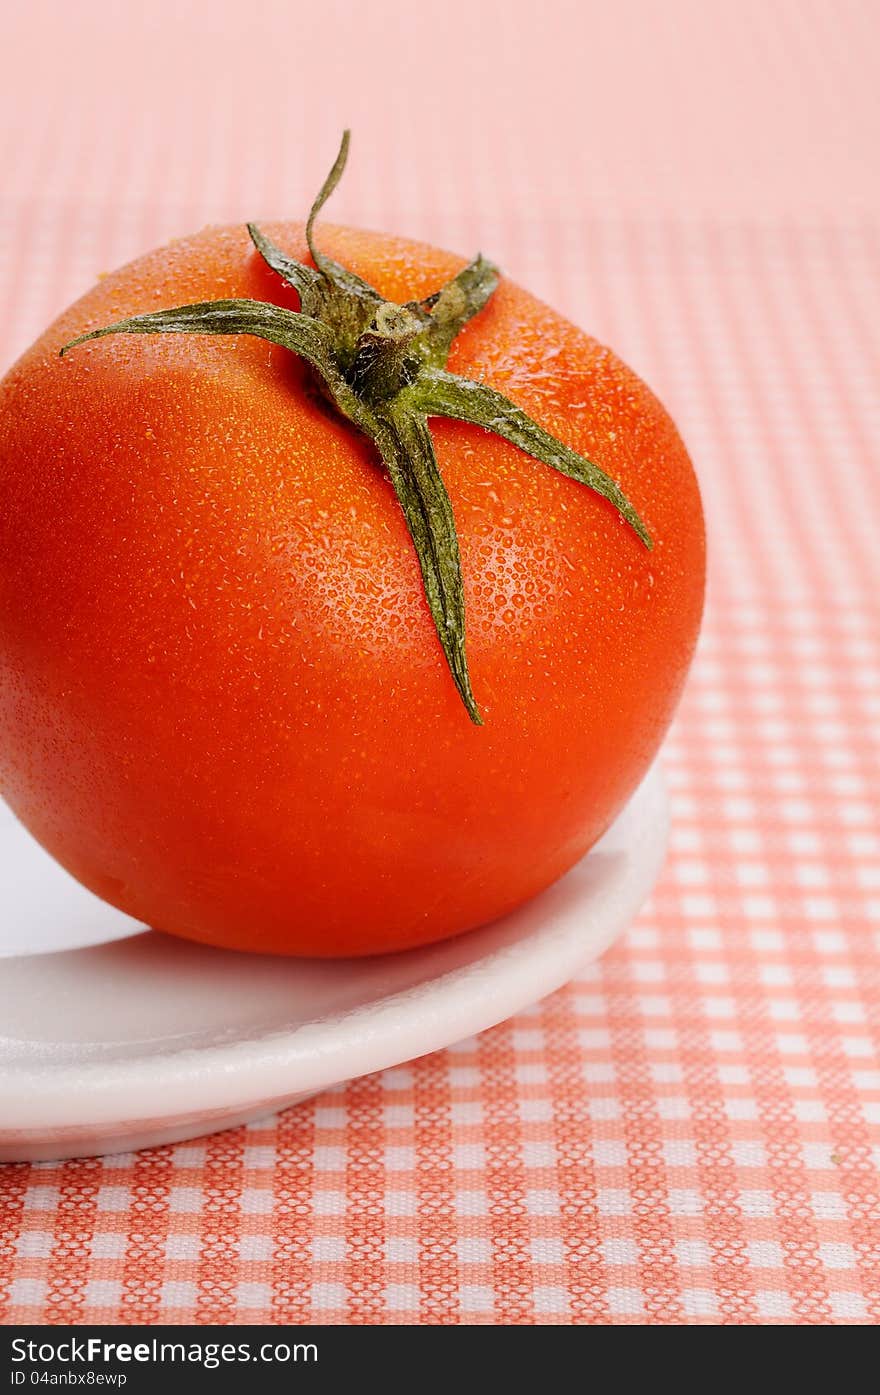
[{"x": 223, "y": 705}]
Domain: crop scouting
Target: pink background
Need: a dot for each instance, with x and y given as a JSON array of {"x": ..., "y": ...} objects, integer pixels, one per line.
[
  {"x": 485, "y": 120},
  {"x": 691, "y": 1131}
]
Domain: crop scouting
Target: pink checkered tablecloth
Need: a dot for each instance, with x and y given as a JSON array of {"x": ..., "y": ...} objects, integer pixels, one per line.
[{"x": 690, "y": 1132}]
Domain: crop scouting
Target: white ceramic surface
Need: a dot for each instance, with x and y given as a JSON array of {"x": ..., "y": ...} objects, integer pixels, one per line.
[{"x": 112, "y": 1037}]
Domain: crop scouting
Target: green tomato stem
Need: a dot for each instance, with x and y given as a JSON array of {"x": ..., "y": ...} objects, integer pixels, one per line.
[{"x": 383, "y": 368}]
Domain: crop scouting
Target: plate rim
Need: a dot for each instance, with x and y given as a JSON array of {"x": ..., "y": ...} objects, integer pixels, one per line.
[{"x": 279, "y": 1064}]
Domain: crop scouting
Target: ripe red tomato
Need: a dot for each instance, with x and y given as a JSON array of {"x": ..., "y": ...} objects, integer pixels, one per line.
[{"x": 223, "y": 706}]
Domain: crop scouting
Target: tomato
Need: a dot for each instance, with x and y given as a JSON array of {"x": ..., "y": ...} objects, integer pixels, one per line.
[{"x": 223, "y": 705}]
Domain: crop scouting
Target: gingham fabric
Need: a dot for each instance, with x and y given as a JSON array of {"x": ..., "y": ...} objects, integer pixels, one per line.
[{"x": 689, "y": 1132}]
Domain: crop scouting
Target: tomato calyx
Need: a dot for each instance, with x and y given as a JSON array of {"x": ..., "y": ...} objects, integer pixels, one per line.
[{"x": 383, "y": 367}]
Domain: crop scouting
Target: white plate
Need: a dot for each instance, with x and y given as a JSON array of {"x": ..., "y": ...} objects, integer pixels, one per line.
[{"x": 112, "y": 1037}]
